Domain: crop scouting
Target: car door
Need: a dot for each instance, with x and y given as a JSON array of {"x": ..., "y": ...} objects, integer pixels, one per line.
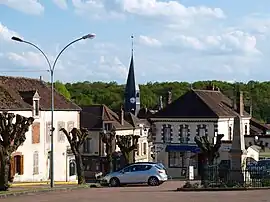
[
  {"x": 127, "y": 175},
  {"x": 143, "y": 173}
]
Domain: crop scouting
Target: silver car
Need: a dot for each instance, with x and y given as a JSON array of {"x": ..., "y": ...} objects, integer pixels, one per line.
[{"x": 138, "y": 173}]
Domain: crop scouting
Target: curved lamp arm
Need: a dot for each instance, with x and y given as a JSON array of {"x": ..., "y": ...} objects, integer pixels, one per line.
[
  {"x": 27, "y": 42},
  {"x": 88, "y": 36}
]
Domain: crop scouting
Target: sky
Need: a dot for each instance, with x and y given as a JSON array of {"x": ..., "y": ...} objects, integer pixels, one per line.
[{"x": 177, "y": 40}]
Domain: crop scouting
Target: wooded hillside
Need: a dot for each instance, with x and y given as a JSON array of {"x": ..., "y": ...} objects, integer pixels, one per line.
[{"x": 112, "y": 94}]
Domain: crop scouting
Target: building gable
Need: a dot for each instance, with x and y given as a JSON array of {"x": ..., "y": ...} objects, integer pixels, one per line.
[{"x": 190, "y": 105}]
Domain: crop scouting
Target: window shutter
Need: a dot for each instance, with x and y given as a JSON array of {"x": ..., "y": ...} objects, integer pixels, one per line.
[
  {"x": 162, "y": 132},
  {"x": 171, "y": 132},
  {"x": 22, "y": 166},
  {"x": 12, "y": 166}
]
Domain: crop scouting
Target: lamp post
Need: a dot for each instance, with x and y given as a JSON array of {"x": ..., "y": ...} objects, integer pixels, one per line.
[{"x": 51, "y": 70}]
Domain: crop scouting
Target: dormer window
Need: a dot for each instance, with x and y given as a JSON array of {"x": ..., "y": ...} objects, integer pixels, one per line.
[{"x": 36, "y": 105}]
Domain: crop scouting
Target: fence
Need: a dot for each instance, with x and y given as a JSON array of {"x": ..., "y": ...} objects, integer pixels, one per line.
[{"x": 218, "y": 177}]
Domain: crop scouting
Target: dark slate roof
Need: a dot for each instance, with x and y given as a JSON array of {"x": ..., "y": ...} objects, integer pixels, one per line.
[
  {"x": 15, "y": 92},
  {"x": 199, "y": 104},
  {"x": 92, "y": 117},
  {"x": 130, "y": 88},
  {"x": 256, "y": 127}
]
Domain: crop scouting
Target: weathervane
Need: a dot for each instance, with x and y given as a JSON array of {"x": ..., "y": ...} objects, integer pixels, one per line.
[{"x": 132, "y": 43}]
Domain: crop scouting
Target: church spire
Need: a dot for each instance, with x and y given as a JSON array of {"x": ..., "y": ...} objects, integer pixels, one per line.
[{"x": 130, "y": 90}]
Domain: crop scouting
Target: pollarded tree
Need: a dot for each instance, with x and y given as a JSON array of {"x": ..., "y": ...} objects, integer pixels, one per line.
[
  {"x": 108, "y": 138},
  {"x": 127, "y": 144},
  {"x": 209, "y": 149},
  {"x": 76, "y": 138},
  {"x": 12, "y": 135},
  {"x": 209, "y": 152}
]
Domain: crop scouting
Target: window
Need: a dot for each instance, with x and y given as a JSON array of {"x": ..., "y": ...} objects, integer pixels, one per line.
[
  {"x": 48, "y": 132},
  {"x": 36, "y": 133},
  {"x": 107, "y": 126},
  {"x": 202, "y": 132},
  {"x": 176, "y": 159},
  {"x": 35, "y": 163},
  {"x": 36, "y": 107},
  {"x": 87, "y": 146},
  {"x": 167, "y": 134},
  {"x": 18, "y": 164},
  {"x": 70, "y": 126},
  {"x": 130, "y": 169},
  {"x": 230, "y": 133},
  {"x": 183, "y": 133},
  {"x": 144, "y": 148},
  {"x": 246, "y": 129},
  {"x": 61, "y": 135},
  {"x": 72, "y": 168},
  {"x": 138, "y": 150}
]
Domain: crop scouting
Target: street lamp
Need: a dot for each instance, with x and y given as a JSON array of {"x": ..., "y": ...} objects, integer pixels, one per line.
[{"x": 88, "y": 36}]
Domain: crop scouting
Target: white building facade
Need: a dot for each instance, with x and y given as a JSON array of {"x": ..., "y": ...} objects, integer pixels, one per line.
[
  {"x": 35, "y": 151},
  {"x": 31, "y": 98},
  {"x": 194, "y": 114}
]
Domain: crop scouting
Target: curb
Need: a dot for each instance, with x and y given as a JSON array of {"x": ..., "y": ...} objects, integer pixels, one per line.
[
  {"x": 221, "y": 189},
  {"x": 20, "y": 193},
  {"x": 41, "y": 183}
]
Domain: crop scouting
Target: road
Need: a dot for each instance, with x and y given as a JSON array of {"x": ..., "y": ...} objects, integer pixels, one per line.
[{"x": 143, "y": 194}]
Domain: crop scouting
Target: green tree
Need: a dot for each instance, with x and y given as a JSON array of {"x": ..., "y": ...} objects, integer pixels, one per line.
[{"x": 61, "y": 88}]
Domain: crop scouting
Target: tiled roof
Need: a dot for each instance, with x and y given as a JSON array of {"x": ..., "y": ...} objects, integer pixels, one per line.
[
  {"x": 15, "y": 92},
  {"x": 199, "y": 104},
  {"x": 93, "y": 116}
]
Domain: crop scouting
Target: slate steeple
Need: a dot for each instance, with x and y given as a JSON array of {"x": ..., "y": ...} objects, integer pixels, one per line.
[{"x": 132, "y": 94}]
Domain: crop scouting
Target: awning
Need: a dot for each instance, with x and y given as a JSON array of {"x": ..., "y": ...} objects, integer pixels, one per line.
[{"x": 191, "y": 148}]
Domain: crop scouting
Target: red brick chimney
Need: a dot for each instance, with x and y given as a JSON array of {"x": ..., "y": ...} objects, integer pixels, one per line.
[{"x": 240, "y": 103}]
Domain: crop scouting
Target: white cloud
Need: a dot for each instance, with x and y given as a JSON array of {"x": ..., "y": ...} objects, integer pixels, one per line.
[
  {"x": 146, "y": 40},
  {"x": 28, "y": 59},
  {"x": 32, "y": 7},
  {"x": 6, "y": 34},
  {"x": 234, "y": 42},
  {"x": 112, "y": 66},
  {"x": 170, "y": 10},
  {"x": 61, "y": 4}
]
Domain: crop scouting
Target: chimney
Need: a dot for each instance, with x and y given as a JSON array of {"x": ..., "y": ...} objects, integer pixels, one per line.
[
  {"x": 121, "y": 116},
  {"x": 160, "y": 102},
  {"x": 250, "y": 108},
  {"x": 169, "y": 97},
  {"x": 240, "y": 103},
  {"x": 40, "y": 79}
]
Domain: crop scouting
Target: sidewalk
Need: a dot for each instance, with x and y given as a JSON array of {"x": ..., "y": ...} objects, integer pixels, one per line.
[{"x": 23, "y": 184}]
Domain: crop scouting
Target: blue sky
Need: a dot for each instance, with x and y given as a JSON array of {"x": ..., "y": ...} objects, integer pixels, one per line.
[{"x": 174, "y": 40}]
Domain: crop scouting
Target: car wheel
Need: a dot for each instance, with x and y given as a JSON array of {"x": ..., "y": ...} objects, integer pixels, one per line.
[
  {"x": 153, "y": 181},
  {"x": 114, "y": 182}
]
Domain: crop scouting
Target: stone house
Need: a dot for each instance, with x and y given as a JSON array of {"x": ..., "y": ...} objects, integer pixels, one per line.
[
  {"x": 31, "y": 98},
  {"x": 97, "y": 118},
  {"x": 197, "y": 112}
]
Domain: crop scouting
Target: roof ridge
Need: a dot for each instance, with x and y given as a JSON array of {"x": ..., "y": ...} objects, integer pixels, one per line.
[
  {"x": 20, "y": 77},
  {"x": 203, "y": 100}
]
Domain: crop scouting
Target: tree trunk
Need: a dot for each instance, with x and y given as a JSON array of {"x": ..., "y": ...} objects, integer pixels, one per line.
[
  {"x": 109, "y": 163},
  {"x": 80, "y": 169},
  {"x": 4, "y": 172},
  {"x": 126, "y": 157}
]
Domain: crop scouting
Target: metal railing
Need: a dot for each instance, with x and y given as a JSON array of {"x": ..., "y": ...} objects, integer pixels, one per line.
[{"x": 218, "y": 177}]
